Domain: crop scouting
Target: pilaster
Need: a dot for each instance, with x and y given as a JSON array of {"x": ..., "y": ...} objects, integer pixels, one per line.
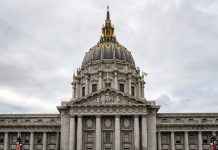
[{"x": 117, "y": 132}]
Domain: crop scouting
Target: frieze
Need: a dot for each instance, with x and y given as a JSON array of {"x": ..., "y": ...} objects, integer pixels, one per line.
[
  {"x": 83, "y": 110},
  {"x": 107, "y": 98},
  {"x": 30, "y": 129}
]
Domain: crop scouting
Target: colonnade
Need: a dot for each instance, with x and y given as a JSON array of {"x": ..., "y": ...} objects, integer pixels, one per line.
[
  {"x": 31, "y": 143},
  {"x": 138, "y": 86},
  {"x": 186, "y": 140},
  {"x": 76, "y": 139}
]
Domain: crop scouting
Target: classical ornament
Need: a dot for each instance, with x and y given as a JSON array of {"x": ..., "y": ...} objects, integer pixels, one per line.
[
  {"x": 126, "y": 123},
  {"x": 108, "y": 123},
  {"x": 89, "y": 123},
  {"x": 109, "y": 98}
]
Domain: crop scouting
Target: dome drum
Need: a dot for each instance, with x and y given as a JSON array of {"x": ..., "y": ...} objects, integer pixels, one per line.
[{"x": 108, "y": 51}]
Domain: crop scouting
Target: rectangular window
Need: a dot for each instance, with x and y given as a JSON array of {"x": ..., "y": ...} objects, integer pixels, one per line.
[
  {"x": 192, "y": 139},
  {"x": 52, "y": 139},
  {"x": 205, "y": 139},
  {"x": 178, "y": 139},
  {"x": 83, "y": 91},
  {"x": 38, "y": 138},
  {"x": 89, "y": 137},
  {"x": 122, "y": 87},
  {"x": 1, "y": 138},
  {"x": 26, "y": 139},
  {"x": 164, "y": 139},
  {"x": 107, "y": 137},
  {"x": 126, "y": 137},
  {"x": 94, "y": 87},
  {"x": 14, "y": 138},
  {"x": 132, "y": 90},
  {"x": 107, "y": 84}
]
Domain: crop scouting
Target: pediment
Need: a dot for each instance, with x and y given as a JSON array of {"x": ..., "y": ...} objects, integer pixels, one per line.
[{"x": 107, "y": 97}]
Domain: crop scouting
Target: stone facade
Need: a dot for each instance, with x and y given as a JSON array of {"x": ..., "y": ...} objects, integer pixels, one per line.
[{"x": 108, "y": 111}]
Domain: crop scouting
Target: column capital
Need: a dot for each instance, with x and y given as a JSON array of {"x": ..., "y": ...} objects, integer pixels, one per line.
[
  {"x": 115, "y": 73},
  {"x": 100, "y": 73},
  {"x": 117, "y": 116},
  {"x": 144, "y": 116},
  {"x": 72, "y": 116},
  {"x": 136, "y": 116},
  {"x": 79, "y": 116},
  {"x": 98, "y": 116}
]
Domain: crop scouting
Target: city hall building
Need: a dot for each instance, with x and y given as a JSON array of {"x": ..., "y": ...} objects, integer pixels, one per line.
[{"x": 108, "y": 111}]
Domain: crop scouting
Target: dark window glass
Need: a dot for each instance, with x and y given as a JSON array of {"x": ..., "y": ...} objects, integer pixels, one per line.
[
  {"x": 83, "y": 91},
  {"x": 132, "y": 90},
  {"x": 1, "y": 139},
  {"x": 205, "y": 139},
  {"x": 26, "y": 139},
  {"x": 94, "y": 87},
  {"x": 108, "y": 84},
  {"x": 122, "y": 87},
  {"x": 178, "y": 139},
  {"x": 39, "y": 139}
]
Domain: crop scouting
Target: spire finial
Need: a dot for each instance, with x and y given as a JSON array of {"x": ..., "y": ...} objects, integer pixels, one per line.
[
  {"x": 108, "y": 13},
  {"x": 108, "y": 30}
]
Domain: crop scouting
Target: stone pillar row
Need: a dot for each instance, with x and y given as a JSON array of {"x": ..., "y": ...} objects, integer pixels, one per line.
[
  {"x": 186, "y": 140},
  {"x": 88, "y": 87},
  {"x": 117, "y": 133},
  {"x": 45, "y": 143}
]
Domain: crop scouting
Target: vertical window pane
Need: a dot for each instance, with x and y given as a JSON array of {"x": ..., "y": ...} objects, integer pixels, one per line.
[{"x": 94, "y": 87}]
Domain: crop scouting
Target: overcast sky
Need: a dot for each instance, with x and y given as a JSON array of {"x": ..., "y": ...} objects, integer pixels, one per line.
[{"x": 42, "y": 42}]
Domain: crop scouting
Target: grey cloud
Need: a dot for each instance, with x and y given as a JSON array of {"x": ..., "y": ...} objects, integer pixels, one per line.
[{"x": 43, "y": 42}]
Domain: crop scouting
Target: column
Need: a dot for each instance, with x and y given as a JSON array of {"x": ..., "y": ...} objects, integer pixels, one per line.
[
  {"x": 19, "y": 134},
  {"x": 144, "y": 133},
  {"x": 152, "y": 142},
  {"x": 79, "y": 133},
  {"x": 115, "y": 80},
  {"x": 129, "y": 78},
  {"x": 186, "y": 141},
  {"x": 159, "y": 140},
  {"x": 117, "y": 132},
  {"x": 143, "y": 88},
  {"x": 32, "y": 141},
  {"x": 199, "y": 140},
  {"x": 44, "y": 141},
  {"x": 139, "y": 89},
  {"x": 87, "y": 85},
  {"x": 6, "y": 146},
  {"x": 65, "y": 129},
  {"x": 100, "y": 80},
  {"x": 98, "y": 133},
  {"x": 136, "y": 132},
  {"x": 213, "y": 133},
  {"x": 57, "y": 141},
  {"x": 77, "y": 89},
  {"x": 72, "y": 133},
  {"x": 172, "y": 141}
]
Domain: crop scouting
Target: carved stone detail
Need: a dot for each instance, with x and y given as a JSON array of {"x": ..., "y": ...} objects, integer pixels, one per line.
[{"x": 108, "y": 97}]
